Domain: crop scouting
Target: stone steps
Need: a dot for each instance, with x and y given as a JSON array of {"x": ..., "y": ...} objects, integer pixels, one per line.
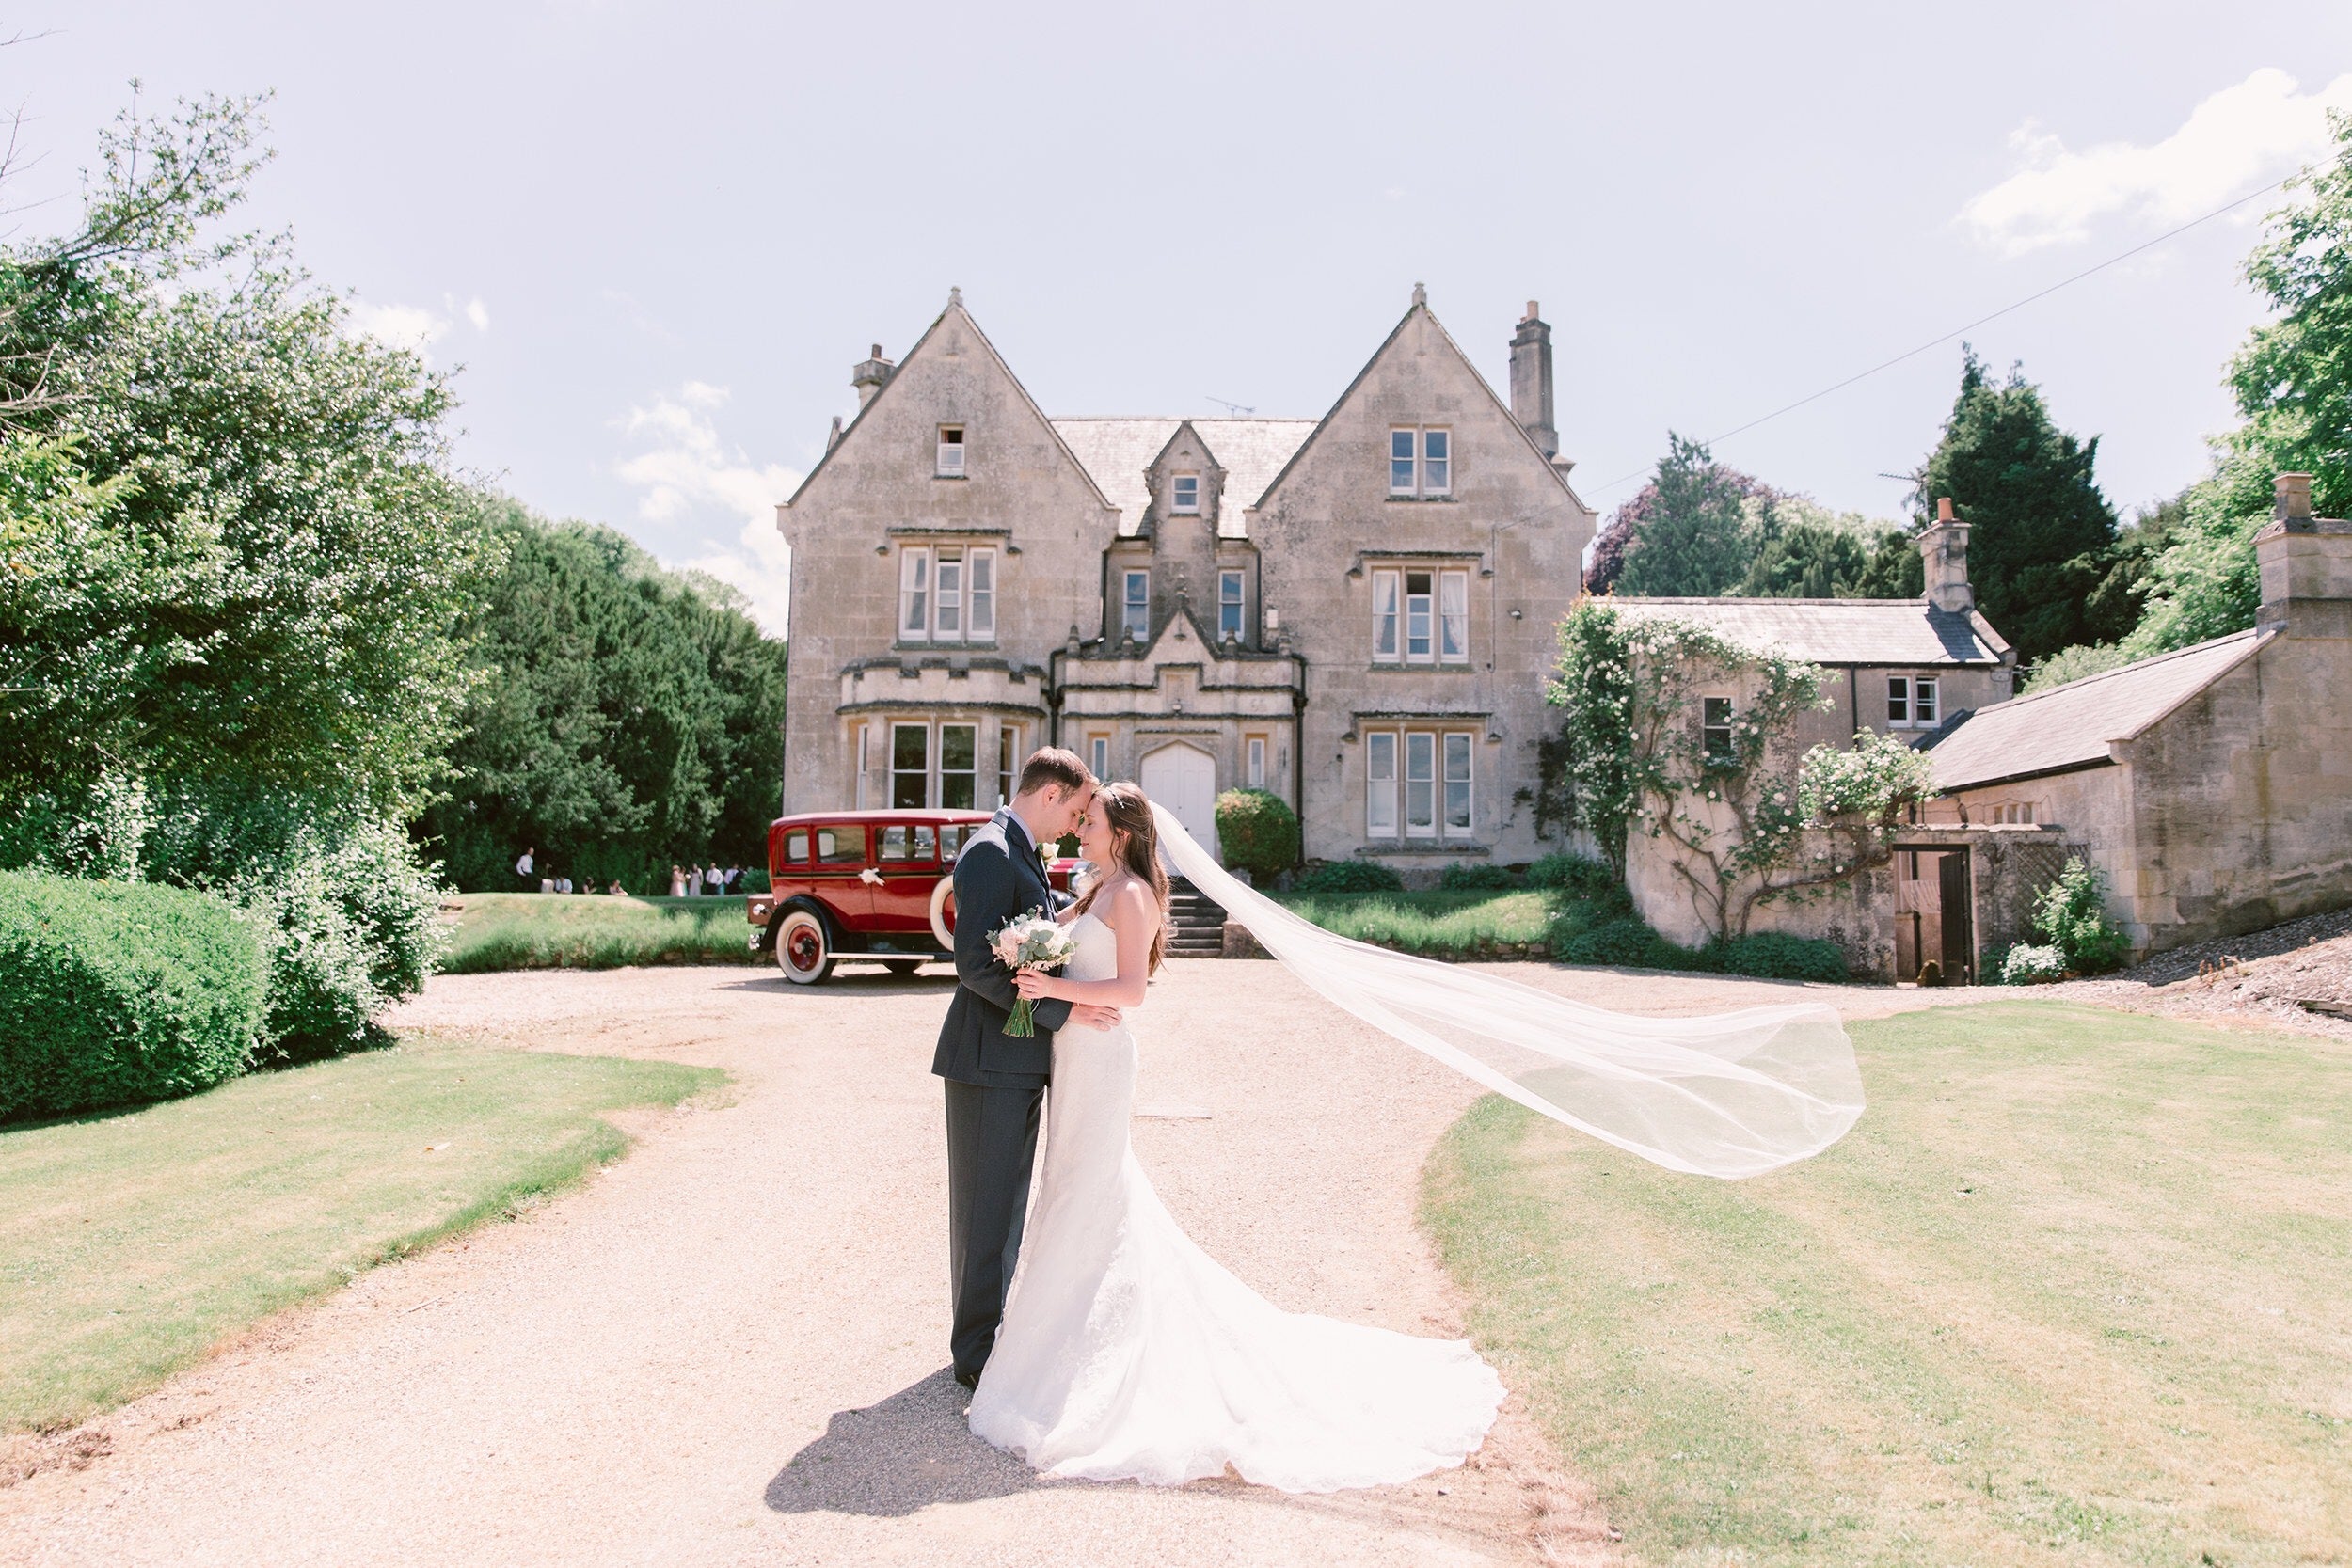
[{"x": 1196, "y": 926}]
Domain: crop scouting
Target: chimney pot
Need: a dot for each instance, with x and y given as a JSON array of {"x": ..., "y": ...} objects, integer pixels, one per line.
[
  {"x": 1531, "y": 382},
  {"x": 1534, "y": 310},
  {"x": 1944, "y": 555},
  {"x": 2291, "y": 496}
]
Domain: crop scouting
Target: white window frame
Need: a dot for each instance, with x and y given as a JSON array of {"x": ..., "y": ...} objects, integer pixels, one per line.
[
  {"x": 1920, "y": 697},
  {"x": 860, "y": 789},
  {"x": 922, "y": 728},
  {"x": 1437, "y": 461},
  {"x": 1135, "y": 606},
  {"x": 948, "y": 594},
  {"x": 1253, "y": 765},
  {"x": 970, "y": 776},
  {"x": 1007, "y": 761},
  {"x": 1452, "y": 744},
  {"x": 1427, "y": 614},
  {"x": 1403, "y": 461},
  {"x": 1421, "y": 816},
  {"x": 1099, "y": 756},
  {"x": 951, "y": 452},
  {"x": 1453, "y": 617},
  {"x": 1708, "y": 726},
  {"x": 1232, "y": 591},
  {"x": 1380, "y": 783},
  {"x": 1388, "y": 630},
  {"x": 1420, "y": 462},
  {"x": 980, "y": 594},
  {"x": 1898, "y": 701},
  {"x": 914, "y": 593},
  {"x": 1177, "y": 502}
]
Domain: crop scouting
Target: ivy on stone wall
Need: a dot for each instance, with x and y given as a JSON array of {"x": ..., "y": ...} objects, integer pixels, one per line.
[{"x": 1746, "y": 823}]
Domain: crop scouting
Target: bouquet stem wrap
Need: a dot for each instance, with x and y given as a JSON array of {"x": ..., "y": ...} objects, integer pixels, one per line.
[{"x": 1032, "y": 941}]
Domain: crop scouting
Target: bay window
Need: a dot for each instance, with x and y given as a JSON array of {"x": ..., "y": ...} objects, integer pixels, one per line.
[
  {"x": 1380, "y": 784},
  {"x": 959, "y": 766},
  {"x": 910, "y": 766}
]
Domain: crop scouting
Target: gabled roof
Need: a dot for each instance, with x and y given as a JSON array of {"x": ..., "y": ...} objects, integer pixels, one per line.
[
  {"x": 1837, "y": 631},
  {"x": 1420, "y": 307},
  {"x": 956, "y": 310},
  {"x": 1117, "y": 451},
  {"x": 2071, "y": 726}
]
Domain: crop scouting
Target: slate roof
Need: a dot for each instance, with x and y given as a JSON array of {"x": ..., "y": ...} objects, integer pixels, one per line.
[
  {"x": 1115, "y": 453},
  {"x": 2070, "y": 726},
  {"x": 1907, "y": 632}
]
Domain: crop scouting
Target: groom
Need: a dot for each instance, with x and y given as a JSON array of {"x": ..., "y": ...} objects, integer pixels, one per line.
[{"x": 995, "y": 1082}]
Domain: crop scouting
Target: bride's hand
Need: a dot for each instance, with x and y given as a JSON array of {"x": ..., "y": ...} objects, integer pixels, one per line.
[{"x": 1034, "y": 984}]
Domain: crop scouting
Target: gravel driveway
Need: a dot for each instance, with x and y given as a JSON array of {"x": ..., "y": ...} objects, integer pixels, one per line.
[{"x": 731, "y": 1346}]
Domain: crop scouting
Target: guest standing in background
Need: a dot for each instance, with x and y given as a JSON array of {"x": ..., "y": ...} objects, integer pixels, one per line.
[
  {"x": 523, "y": 865},
  {"x": 678, "y": 881}
]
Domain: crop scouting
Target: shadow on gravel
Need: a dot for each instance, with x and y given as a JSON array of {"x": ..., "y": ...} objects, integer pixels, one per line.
[{"x": 896, "y": 1458}]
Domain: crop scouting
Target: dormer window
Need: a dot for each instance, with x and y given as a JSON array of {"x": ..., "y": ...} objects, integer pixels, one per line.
[
  {"x": 1185, "y": 495},
  {"x": 950, "y": 451}
]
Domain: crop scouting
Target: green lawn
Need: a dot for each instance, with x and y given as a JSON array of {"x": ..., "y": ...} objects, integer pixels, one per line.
[
  {"x": 2079, "y": 1290},
  {"x": 1436, "y": 923},
  {"x": 132, "y": 1244},
  {"x": 545, "y": 930}
]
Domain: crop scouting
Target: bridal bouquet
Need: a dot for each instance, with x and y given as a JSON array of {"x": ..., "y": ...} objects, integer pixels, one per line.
[{"x": 1030, "y": 941}]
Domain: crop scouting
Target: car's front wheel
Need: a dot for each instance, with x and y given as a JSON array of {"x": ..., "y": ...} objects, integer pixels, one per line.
[{"x": 803, "y": 948}]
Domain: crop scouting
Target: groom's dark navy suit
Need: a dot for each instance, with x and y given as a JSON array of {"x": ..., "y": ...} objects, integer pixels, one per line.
[{"x": 995, "y": 1084}]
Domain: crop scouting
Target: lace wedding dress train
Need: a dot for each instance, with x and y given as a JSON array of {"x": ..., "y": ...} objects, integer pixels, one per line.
[{"x": 1129, "y": 1354}]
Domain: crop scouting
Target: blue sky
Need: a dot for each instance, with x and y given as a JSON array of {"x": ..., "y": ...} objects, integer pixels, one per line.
[{"x": 657, "y": 237}]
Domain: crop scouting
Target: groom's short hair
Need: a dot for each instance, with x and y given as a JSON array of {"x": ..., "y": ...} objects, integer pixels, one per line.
[{"x": 1053, "y": 765}]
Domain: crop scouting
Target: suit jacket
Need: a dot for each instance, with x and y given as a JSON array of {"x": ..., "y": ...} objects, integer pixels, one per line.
[{"x": 994, "y": 881}]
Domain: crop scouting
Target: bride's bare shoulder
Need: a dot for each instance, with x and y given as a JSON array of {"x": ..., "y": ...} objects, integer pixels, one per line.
[{"x": 1130, "y": 900}]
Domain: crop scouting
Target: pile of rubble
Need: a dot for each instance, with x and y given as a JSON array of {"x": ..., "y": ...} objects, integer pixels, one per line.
[{"x": 2294, "y": 977}]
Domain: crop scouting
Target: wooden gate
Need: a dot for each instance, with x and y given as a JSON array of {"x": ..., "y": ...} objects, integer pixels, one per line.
[{"x": 1933, "y": 923}]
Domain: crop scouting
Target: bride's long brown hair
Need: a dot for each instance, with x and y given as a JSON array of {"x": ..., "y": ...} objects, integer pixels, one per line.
[{"x": 1137, "y": 846}]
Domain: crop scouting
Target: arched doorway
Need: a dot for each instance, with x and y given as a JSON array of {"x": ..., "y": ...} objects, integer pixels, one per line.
[{"x": 1184, "y": 779}]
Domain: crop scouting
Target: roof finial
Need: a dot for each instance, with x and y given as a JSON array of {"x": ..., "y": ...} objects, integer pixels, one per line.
[
  {"x": 955, "y": 297},
  {"x": 1420, "y": 297}
]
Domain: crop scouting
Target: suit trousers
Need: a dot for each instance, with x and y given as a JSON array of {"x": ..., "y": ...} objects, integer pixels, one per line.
[{"x": 992, "y": 1149}]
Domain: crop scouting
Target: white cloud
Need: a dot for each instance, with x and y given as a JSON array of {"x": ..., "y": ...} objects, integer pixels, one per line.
[
  {"x": 409, "y": 327},
  {"x": 685, "y": 470},
  {"x": 2261, "y": 128},
  {"x": 478, "y": 313}
]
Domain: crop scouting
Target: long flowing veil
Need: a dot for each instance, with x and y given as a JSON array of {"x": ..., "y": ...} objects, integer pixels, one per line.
[{"x": 1729, "y": 1094}]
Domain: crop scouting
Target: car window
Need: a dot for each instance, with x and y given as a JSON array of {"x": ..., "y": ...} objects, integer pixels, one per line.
[
  {"x": 951, "y": 840},
  {"x": 796, "y": 846},
  {"x": 924, "y": 848},
  {"x": 841, "y": 846},
  {"x": 894, "y": 842}
]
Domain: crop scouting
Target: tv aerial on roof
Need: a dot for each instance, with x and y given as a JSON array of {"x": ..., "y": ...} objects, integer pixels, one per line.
[{"x": 1238, "y": 410}]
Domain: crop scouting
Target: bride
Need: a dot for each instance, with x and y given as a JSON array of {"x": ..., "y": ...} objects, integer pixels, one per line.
[{"x": 1129, "y": 1354}]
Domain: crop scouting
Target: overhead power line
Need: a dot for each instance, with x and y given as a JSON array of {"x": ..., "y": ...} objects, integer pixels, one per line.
[{"x": 1958, "y": 331}]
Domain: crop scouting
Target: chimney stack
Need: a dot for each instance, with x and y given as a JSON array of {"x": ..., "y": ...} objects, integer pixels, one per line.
[
  {"x": 2306, "y": 567},
  {"x": 1943, "y": 554},
  {"x": 1530, "y": 380},
  {"x": 867, "y": 375}
]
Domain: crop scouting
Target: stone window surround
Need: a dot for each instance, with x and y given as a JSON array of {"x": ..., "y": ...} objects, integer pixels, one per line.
[
  {"x": 1374, "y": 566},
  {"x": 933, "y": 554},
  {"x": 872, "y": 738},
  {"x": 1418, "y": 441},
  {"x": 1398, "y": 758}
]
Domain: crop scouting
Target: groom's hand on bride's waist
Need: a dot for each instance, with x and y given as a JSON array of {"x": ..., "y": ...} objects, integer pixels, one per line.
[{"x": 1086, "y": 1015}]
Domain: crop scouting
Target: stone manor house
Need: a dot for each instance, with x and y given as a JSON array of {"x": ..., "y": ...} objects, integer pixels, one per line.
[{"x": 1355, "y": 612}]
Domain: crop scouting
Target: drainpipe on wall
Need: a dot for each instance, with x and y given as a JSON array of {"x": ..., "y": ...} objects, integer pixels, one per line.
[{"x": 1299, "y": 754}]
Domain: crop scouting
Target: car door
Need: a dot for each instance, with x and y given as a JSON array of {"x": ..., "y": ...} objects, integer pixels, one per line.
[
  {"x": 906, "y": 856},
  {"x": 836, "y": 873}
]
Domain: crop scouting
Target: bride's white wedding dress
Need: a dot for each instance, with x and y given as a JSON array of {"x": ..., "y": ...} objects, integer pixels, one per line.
[{"x": 1128, "y": 1354}]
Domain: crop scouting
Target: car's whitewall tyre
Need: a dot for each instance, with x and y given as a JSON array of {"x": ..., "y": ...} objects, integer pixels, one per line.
[
  {"x": 803, "y": 947},
  {"x": 942, "y": 918}
]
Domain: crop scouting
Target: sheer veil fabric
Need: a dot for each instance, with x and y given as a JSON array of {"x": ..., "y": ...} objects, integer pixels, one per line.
[{"x": 1725, "y": 1095}]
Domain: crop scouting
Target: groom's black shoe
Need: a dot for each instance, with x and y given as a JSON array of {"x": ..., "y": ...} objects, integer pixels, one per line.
[{"x": 970, "y": 1380}]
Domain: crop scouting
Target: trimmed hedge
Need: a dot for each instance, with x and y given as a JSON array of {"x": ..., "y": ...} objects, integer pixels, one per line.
[
  {"x": 1475, "y": 877},
  {"x": 1258, "y": 832},
  {"x": 1765, "y": 955},
  {"x": 1348, "y": 876},
  {"x": 114, "y": 993}
]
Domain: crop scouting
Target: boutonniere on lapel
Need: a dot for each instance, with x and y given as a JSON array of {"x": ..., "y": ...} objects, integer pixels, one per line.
[{"x": 1045, "y": 859}]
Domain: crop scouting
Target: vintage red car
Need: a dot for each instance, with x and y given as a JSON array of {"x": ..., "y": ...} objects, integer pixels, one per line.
[{"x": 870, "y": 886}]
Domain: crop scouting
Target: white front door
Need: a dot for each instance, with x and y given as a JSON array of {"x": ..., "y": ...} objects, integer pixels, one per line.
[{"x": 1184, "y": 779}]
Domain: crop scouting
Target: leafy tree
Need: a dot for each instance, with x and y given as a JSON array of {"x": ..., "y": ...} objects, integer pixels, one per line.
[
  {"x": 1805, "y": 551},
  {"x": 627, "y": 718},
  {"x": 234, "y": 567},
  {"x": 2041, "y": 536},
  {"x": 2293, "y": 381},
  {"x": 1685, "y": 535}
]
